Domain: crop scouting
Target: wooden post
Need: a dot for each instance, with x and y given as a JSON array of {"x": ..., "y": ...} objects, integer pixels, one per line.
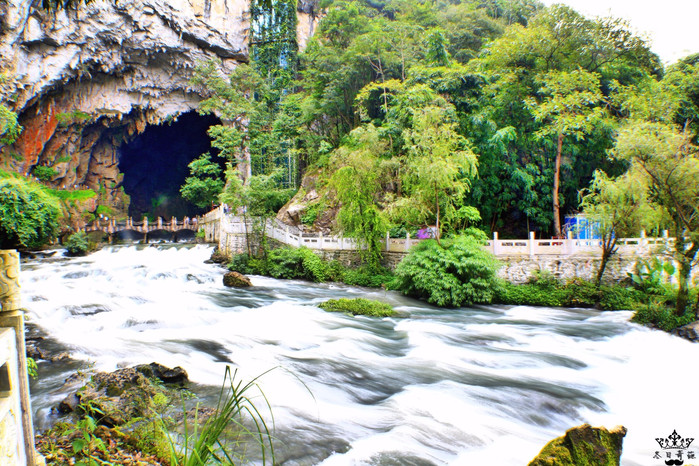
[{"x": 12, "y": 316}]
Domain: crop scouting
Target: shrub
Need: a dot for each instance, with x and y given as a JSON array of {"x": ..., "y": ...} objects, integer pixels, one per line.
[
  {"x": 358, "y": 306},
  {"x": 77, "y": 244},
  {"x": 44, "y": 173},
  {"x": 28, "y": 214},
  {"x": 529, "y": 294},
  {"x": 659, "y": 314},
  {"x": 374, "y": 277},
  {"x": 284, "y": 263},
  {"x": 617, "y": 298},
  {"x": 460, "y": 272}
]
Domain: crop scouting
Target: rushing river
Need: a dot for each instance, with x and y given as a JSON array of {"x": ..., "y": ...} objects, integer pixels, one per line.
[{"x": 472, "y": 386}]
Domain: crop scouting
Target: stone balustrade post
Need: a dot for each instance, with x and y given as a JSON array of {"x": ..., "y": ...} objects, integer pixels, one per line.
[
  {"x": 320, "y": 240},
  {"x": 496, "y": 248},
  {"x": 287, "y": 239},
  {"x": 388, "y": 242},
  {"x": 407, "y": 242},
  {"x": 12, "y": 316},
  {"x": 532, "y": 243},
  {"x": 569, "y": 243},
  {"x": 643, "y": 243}
]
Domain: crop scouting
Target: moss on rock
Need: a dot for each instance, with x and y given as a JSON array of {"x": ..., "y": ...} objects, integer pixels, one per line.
[
  {"x": 358, "y": 306},
  {"x": 583, "y": 446}
]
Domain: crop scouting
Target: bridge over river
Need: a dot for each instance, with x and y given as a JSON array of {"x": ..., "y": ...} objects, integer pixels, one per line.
[{"x": 112, "y": 226}]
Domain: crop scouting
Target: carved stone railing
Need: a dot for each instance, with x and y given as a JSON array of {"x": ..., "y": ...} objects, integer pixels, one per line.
[{"x": 16, "y": 427}]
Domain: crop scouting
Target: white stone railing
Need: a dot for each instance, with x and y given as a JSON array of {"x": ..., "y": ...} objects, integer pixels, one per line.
[{"x": 532, "y": 247}]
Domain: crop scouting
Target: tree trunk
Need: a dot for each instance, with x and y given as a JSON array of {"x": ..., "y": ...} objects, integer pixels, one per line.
[
  {"x": 608, "y": 248},
  {"x": 685, "y": 257},
  {"x": 556, "y": 182}
]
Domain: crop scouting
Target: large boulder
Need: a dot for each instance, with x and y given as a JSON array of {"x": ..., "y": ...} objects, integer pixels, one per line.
[
  {"x": 583, "y": 445},
  {"x": 115, "y": 398},
  {"x": 689, "y": 331},
  {"x": 237, "y": 280}
]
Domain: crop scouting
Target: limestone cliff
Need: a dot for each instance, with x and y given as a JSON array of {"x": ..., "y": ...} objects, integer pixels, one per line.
[{"x": 84, "y": 81}]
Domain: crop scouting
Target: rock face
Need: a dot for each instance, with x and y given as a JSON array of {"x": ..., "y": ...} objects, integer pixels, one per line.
[
  {"x": 84, "y": 81},
  {"x": 583, "y": 445},
  {"x": 237, "y": 280}
]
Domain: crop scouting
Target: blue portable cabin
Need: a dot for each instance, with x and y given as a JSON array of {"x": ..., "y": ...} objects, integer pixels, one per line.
[{"x": 581, "y": 227}]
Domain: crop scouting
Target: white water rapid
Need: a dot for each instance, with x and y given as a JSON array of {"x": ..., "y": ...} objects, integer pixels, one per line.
[{"x": 488, "y": 385}]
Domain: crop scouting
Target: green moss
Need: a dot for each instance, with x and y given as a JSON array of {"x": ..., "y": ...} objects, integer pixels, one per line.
[
  {"x": 583, "y": 446},
  {"x": 78, "y": 195},
  {"x": 358, "y": 306}
]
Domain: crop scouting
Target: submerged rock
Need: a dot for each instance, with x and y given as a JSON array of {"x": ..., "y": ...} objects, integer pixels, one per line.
[
  {"x": 237, "y": 280},
  {"x": 583, "y": 445}
]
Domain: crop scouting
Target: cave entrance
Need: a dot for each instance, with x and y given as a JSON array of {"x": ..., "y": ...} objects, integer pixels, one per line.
[{"x": 155, "y": 162}]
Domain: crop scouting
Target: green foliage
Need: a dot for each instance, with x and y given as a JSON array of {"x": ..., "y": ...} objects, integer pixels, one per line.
[
  {"x": 76, "y": 116},
  {"x": 301, "y": 263},
  {"x": 204, "y": 185},
  {"x": 76, "y": 195},
  {"x": 357, "y": 182},
  {"x": 310, "y": 215},
  {"x": 618, "y": 208},
  {"x": 28, "y": 214},
  {"x": 77, "y": 244},
  {"x": 545, "y": 290},
  {"x": 366, "y": 275},
  {"x": 657, "y": 313},
  {"x": 44, "y": 173},
  {"x": 9, "y": 127},
  {"x": 223, "y": 437},
  {"x": 87, "y": 444},
  {"x": 358, "y": 306},
  {"x": 460, "y": 273},
  {"x": 32, "y": 368},
  {"x": 650, "y": 275}
]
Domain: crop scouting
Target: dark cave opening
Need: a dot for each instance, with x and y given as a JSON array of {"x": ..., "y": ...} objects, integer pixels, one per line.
[{"x": 155, "y": 165}]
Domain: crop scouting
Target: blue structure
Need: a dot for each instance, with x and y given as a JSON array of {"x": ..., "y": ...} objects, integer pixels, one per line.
[{"x": 581, "y": 227}]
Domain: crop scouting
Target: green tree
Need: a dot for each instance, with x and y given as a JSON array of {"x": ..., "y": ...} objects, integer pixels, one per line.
[
  {"x": 28, "y": 215},
  {"x": 233, "y": 100},
  {"x": 358, "y": 185},
  {"x": 617, "y": 208},
  {"x": 569, "y": 107},
  {"x": 205, "y": 184},
  {"x": 664, "y": 156},
  {"x": 439, "y": 168}
]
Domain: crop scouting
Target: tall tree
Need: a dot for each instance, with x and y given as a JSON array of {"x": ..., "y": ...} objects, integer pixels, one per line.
[
  {"x": 569, "y": 107},
  {"x": 439, "y": 168}
]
